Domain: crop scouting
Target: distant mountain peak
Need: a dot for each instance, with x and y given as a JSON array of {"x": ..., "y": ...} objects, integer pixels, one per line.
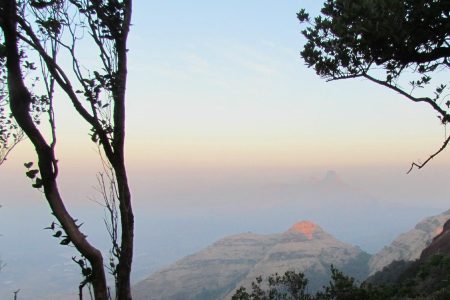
[
  {"x": 307, "y": 228},
  {"x": 332, "y": 177}
]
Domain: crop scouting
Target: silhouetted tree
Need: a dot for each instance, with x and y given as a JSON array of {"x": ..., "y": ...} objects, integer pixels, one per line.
[
  {"x": 2, "y": 264},
  {"x": 428, "y": 280},
  {"x": 36, "y": 37},
  {"x": 291, "y": 285},
  {"x": 294, "y": 286},
  {"x": 399, "y": 44}
]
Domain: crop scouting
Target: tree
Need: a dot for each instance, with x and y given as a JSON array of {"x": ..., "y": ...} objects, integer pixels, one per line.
[
  {"x": 342, "y": 287},
  {"x": 399, "y": 44},
  {"x": 294, "y": 286},
  {"x": 37, "y": 36},
  {"x": 291, "y": 285},
  {"x": 2, "y": 264}
]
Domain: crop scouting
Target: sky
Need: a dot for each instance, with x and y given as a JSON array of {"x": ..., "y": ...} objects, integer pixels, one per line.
[
  {"x": 219, "y": 101},
  {"x": 224, "y": 86},
  {"x": 220, "y": 86},
  {"x": 218, "y": 95}
]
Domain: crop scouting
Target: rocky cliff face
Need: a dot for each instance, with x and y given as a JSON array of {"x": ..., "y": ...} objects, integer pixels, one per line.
[
  {"x": 308, "y": 249},
  {"x": 439, "y": 245},
  {"x": 217, "y": 271},
  {"x": 409, "y": 246},
  {"x": 235, "y": 261}
]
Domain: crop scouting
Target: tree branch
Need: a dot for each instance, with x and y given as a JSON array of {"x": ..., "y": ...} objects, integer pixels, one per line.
[
  {"x": 65, "y": 84},
  {"x": 4, "y": 152},
  {"x": 434, "y": 105},
  {"x": 420, "y": 166}
]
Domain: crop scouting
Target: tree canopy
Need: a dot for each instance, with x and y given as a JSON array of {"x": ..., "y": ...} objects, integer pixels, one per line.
[{"x": 399, "y": 44}]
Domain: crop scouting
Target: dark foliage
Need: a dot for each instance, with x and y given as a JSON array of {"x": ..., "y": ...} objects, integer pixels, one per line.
[
  {"x": 390, "y": 273},
  {"x": 420, "y": 280}
]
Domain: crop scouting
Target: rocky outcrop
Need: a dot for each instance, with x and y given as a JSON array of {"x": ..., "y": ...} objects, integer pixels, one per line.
[
  {"x": 409, "y": 246},
  {"x": 235, "y": 261},
  {"x": 210, "y": 273},
  {"x": 439, "y": 245},
  {"x": 308, "y": 249}
]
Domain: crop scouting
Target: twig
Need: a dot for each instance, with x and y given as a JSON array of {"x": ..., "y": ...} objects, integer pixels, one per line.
[
  {"x": 15, "y": 294},
  {"x": 420, "y": 166}
]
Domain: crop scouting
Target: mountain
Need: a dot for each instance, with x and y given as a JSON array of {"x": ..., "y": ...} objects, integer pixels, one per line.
[
  {"x": 409, "y": 245},
  {"x": 439, "y": 245},
  {"x": 425, "y": 275},
  {"x": 215, "y": 272}
]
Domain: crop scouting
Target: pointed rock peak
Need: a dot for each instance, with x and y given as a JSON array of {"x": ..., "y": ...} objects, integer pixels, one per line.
[
  {"x": 331, "y": 177},
  {"x": 307, "y": 228}
]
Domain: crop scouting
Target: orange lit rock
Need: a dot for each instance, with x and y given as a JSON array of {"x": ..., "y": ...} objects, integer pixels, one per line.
[
  {"x": 439, "y": 230},
  {"x": 306, "y": 227}
]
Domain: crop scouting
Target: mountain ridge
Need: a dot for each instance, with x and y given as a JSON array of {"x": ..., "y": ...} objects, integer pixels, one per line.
[
  {"x": 216, "y": 271},
  {"x": 408, "y": 246},
  {"x": 219, "y": 269}
]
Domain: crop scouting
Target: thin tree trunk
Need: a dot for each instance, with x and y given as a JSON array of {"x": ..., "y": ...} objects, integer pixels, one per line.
[
  {"x": 20, "y": 100},
  {"x": 126, "y": 250},
  {"x": 123, "y": 284}
]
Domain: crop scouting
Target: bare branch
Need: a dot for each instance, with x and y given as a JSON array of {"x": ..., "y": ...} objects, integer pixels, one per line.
[
  {"x": 420, "y": 166},
  {"x": 6, "y": 150}
]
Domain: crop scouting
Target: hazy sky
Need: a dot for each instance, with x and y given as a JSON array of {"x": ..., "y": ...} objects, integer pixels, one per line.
[{"x": 218, "y": 94}]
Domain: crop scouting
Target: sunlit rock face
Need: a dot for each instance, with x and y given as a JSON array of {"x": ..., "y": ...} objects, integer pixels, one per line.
[
  {"x": 440, "y": 243},
  {"x": 409, "y": 245},
  {"x": 215, "y": 272},
  {"x": 306, "y": 227},
  {"x": 439, "y": 230}
]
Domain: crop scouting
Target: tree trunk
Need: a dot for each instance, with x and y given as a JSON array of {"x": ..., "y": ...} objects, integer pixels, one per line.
[
  {"x": 20, "y": 100},
  {"x": 123, "y": 288}
]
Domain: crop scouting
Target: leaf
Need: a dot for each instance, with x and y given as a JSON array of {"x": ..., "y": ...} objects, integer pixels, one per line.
[
  {"x": 38, "y": 184},
  {"x": 94, "y": 137},
  {"x": 40, "y": 4},
  {"x": 65, "y": 241},
  {"x": 58, "y": 234},
  {"x": 52, "y": 226},
  {"x": 97, "y": 75},
  {"x": 32, "y": 173},
  {"x": 86, "y": 271},
  {"x": 28, "y": 164}
]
